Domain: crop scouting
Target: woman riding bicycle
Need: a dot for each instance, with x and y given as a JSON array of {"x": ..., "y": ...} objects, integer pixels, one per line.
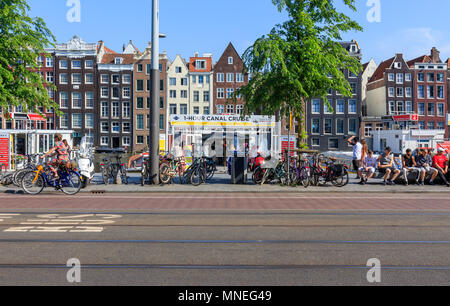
[{"x": 62, "y": 155}]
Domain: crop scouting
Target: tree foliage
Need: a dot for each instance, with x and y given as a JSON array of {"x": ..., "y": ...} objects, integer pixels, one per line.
[
  {"x": 300, "y": 59},
  {"x": 22, "y": 40}
]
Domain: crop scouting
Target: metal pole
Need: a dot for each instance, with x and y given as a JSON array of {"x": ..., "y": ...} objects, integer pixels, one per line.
[
  {"x": 288, "y": 158},
  {"x": 154, "y": 95}
]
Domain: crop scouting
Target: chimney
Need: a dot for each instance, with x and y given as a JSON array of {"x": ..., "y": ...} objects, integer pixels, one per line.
[
  {"x": 435, "y": 55},
  {"x": 196, "y": 54},
  {"x": 123, "y": 48}
]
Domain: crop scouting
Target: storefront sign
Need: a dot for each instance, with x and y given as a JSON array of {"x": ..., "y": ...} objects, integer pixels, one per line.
[
  {"x": 401, "y": 118},
  {"x": 4, "y": 149},
  {"x": 222, "y": 120}
]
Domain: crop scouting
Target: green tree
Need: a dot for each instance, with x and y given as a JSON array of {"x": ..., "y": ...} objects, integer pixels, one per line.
[
  {"x": 22, "y": 40},
  {"x": 299, "y": 59}
]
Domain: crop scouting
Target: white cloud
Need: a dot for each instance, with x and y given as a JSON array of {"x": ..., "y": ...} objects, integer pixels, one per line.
[{"x": 414, "y": 42}]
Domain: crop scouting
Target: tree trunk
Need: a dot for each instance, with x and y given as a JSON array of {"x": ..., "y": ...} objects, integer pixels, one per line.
[{"x": 302, "y": 119}]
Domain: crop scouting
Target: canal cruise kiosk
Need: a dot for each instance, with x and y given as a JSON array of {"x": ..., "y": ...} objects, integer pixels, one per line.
[
  {"x": 199, "y": 135},
  {"x": 21, "y": 142}
]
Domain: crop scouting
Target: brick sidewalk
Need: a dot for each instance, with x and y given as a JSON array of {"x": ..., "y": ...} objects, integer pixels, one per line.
[{"x": 221, "y": 183}]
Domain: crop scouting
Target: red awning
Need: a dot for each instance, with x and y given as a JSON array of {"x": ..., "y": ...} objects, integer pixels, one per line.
[
  {"x": 36, "y": 117},
  {"x": 445, "y": 145}
]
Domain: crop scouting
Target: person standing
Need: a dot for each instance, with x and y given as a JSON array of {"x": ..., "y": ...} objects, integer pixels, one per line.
[
  {"x": 440, "y": 163},
  {"x": 357, "y": 153}
]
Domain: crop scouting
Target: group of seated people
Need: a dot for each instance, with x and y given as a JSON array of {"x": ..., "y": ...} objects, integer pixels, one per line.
[{"x": 423, "y": 165}]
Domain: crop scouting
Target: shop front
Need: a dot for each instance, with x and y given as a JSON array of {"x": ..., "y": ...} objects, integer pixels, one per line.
[
  {"x": 222, "y": 136},
  {"x": 14, "y": 143}
]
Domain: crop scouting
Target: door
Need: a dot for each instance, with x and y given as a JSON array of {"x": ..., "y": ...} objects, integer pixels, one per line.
[{"x": 115, "y": 142}]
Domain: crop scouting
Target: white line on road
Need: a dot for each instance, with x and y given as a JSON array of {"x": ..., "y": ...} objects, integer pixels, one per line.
[{"x": 396, "y": 197}]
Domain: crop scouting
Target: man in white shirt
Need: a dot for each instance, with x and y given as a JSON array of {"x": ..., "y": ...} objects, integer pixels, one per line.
[{"x": 357, "y": 152}]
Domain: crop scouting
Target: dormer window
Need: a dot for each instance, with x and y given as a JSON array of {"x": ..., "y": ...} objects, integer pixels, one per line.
[
  {"x": 353, "y": 48},
  {"x": 199, "y": 64},
  {"x": 230, "y": 61},
  {"x": 398, "y": 65},
  {"x": 118, "y": 60}
]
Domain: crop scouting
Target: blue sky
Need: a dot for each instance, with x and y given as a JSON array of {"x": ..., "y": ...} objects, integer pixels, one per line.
[{"x": 207, "y": 26}]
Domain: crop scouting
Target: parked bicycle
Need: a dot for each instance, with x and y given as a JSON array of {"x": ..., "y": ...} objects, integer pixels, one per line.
[
  {"x": 171, "y": 168},
  {"x": 31, "y": 163},
  {"x": 277, "y": 173},
  {"x": 299, "y": 172},
  {"x": 112, "y": 170},
  {"x": 326, "y": 170},
  {"x": 197, "y": 173}
]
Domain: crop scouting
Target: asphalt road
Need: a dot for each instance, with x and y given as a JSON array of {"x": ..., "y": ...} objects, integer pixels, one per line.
[{"x": 225, "y": 239}]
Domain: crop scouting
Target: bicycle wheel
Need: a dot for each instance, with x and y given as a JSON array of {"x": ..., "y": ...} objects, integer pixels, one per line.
[
  {"x": 124, "y": 176},
  {"x": 319, "y": 180},
  {"x": 341, "y": 181},
  {"x": 106, "y": 176},
  {"x": 293, "y": 176},
  {"x": 32, "y": 183},
  {"x": 164, "y": 174},
  {"x": 211, "y": 170},
  {"x": 258, "y": 175},
  {"x": 304, "y": 178},
  {"x": 196, "y": 178},
  {"x": 18, "y": 176},
  {"x": 144, "y": 176},
  {"x": 70, "y": 183}
]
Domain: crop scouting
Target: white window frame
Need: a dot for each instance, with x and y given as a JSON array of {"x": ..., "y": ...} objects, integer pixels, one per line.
[
  {"x": 86, "y": 80},
  {"x": 66, "y": 100},
  {"x": 86, "y": 66},
  {"x": 61, "y": 78},
  {"x": 72, "y": 79},
  {"x": 126, "y": 79},
  {"x": 73, "y": 61},
  {"x": 86, "y": 120},
  {"x": 49, "y": 62},
  {"x": 63, "y": 67},
  {"x": 80, "y": 115},
  {"x": 104, "y": 141},
  {"x": 73, "y": 100},
  {"x": 86, "y": 100},
  {"x": 102, "y": 92}
]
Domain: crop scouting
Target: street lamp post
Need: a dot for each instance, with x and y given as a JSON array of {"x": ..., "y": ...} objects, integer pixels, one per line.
[{"x": 154, "y": 96}]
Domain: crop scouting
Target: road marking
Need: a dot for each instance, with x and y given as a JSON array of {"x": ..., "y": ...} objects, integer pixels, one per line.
[
  {"x": 254, "y": 197},
  {"x": 53, "y": 229},
  {"x": 7, "y": 216},
  {"x": 58, "y": 223},
  {"x": 351, "y": 242}
]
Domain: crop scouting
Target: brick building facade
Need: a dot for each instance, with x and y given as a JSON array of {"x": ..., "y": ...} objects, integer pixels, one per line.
[{"x": 229, "y": 75}]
